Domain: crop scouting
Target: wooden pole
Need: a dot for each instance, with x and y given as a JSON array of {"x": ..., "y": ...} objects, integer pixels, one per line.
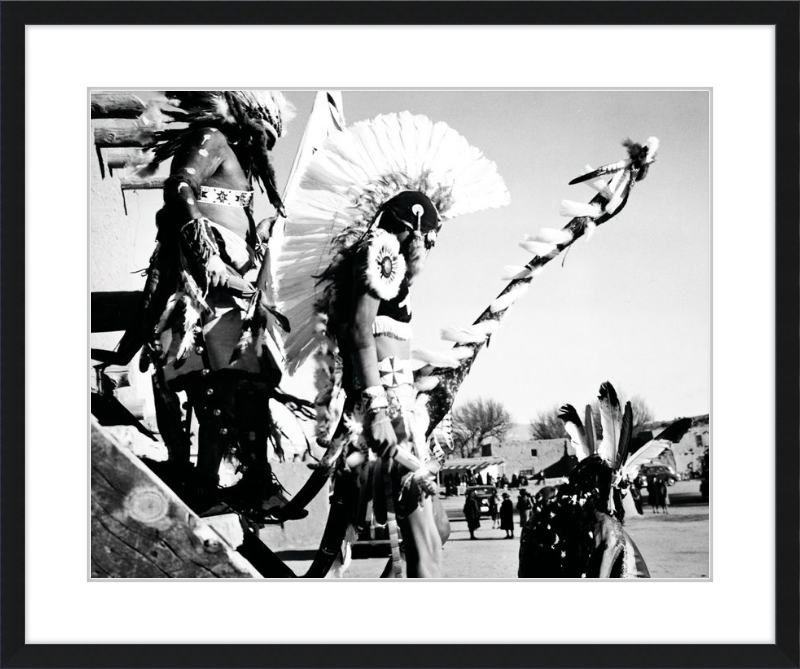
[
  {"x": 141, "y": 184},
  {"x": 116, "y": 105}
]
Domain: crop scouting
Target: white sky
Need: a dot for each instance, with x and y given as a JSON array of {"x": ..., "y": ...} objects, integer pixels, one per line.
[{"x": 631, "y": 305}]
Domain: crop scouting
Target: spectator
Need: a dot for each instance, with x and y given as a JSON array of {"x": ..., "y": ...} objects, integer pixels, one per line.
[
  {"x": 472, "y": 512},
  {"x": 507, "y": 516}
]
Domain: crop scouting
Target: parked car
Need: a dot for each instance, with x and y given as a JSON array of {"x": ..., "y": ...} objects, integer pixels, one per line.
[
  {"x": 660, "y": 471},
  {"x": 482, "y": 494}
]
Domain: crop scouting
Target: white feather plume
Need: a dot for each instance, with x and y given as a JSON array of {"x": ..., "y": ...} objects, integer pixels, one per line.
[
  {"x": 551, "y": 236},
  {"x": 505, "y": 301},
  {"x": 652, "y": 149},
  {"x": 572, "y": 209},
  {"x": 540, "y": 249},
  {"x": 344, "y": 184},
  {"x": 435, "y": 358},
  {"x": 462, "y": 335},
  {"x": 513, "y": 272}
]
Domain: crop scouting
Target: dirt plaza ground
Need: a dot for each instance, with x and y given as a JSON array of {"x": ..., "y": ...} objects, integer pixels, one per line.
[{"x": 674, "y": 545}]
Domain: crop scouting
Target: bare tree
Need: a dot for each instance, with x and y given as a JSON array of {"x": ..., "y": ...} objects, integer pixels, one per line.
[
  {"x": 476, "y": 420},
  {"x": 642, "y": 413},
  {"x": 548, "y": 425}
]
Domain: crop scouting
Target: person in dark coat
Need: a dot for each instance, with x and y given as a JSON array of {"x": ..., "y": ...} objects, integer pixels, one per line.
[
  {"x": 472, "y": 512},
  {"x": 507, "y": 516}
]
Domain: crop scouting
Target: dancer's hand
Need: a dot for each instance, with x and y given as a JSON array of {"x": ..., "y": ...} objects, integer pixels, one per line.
[
  {"x": 382, "y": 439},
  {"x": 217, "y": 272}
]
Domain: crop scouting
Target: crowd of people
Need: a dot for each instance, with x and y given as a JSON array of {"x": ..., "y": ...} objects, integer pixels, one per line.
[{"x": 500, "y": 510}]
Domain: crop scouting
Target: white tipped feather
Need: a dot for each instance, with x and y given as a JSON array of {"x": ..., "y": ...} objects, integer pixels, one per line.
[
  {"x": 462, "y": 352},
  {"x": 619, "y": 192},
  {"x": 425, "y": 384},
  {"x": 487, "y": 327},
  {"x": 575, "y": 430},
  {"x": 599, "y": 185},
  {"x": 589, "y": 228},
  {"x": 652, "y": 449},
  {"x": 540, "y": 249},
  {"x": 579, "y": 209},
  {"x": 611, "y": 421},
  {"x": 505, "y": 301},
  {"x": 462, "y": 335},
  {"x": 435, "y": 358},
  {"x": 512, "y": 272},
  {"x": 551, "y": 236},
  {"x": 652, "y": 148}
]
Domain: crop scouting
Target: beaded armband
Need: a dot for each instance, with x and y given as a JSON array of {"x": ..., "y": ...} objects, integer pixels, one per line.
[{"x": 375, "y": 399}]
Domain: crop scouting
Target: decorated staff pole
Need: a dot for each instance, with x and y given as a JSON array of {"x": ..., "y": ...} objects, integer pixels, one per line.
[{"x": 611, "y": 198}]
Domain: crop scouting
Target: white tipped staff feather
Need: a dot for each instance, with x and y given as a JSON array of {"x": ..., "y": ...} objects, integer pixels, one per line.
[
  {"x": 540, "y": 249},
  {"x": 435, "y": 358},
  {"x": 619, "y": 192},
  {"x": 599, "y": 185},
  {"x": 551, "y": 236},
  {"x": 579, "y": 209},
  {"x": 652, "y": 148},
  {"x": 462, "y": 335},
  {"x": 611, "y": 421},
  {"x": 462, "y": 352},
  {"x": 424, "y": 384},
  {"x": 487, "y": 327},
  {"x": 505, "y": 301},
  {"x": 514, "y": 272}
]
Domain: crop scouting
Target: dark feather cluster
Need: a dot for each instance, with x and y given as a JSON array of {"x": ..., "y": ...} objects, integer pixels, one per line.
[{"x": 558, "y": 541}]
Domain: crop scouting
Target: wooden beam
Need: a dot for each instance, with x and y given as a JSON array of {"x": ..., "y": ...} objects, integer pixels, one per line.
[
  {"x": 141, "y": 136},
  {"x": 142, "y": 184},
  {"x": 113, "y": 311},
  {"x": 141, "y": 529},
  {"x": 116, "y": 105},
  {"x": 124, "y": 157}
]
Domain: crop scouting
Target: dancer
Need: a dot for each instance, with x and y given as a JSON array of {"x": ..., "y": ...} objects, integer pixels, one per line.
[
  {"x": 578, "y": 532},
  {"x": 368, "y": 212},
  {"x": 207, "y": 331}
]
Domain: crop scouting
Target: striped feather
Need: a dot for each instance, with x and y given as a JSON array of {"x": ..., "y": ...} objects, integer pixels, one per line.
[
  {"x": 610, "y": 419},
  {"x": 588, "y": 426}
]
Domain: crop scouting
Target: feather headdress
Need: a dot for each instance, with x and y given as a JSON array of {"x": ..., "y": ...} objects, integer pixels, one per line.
[
  {"x": 346, "y": 183},
  {"x": 617, "y": 424},
  {"x": 254, "y": 119}
]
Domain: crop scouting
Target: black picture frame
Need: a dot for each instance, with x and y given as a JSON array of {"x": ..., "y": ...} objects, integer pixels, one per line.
[{"x": 14, "y": 652}]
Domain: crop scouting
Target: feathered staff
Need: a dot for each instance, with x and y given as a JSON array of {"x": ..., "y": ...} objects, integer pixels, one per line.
[{"x": 448, "y": 370}]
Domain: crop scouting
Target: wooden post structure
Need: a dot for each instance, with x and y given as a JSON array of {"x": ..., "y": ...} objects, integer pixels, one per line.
[{"x": 141, "y": 529}]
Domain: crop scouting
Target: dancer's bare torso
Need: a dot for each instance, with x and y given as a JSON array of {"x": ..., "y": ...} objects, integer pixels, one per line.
[{"x": 221, "y": 169}]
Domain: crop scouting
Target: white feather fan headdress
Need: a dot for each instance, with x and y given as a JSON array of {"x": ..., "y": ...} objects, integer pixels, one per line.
[{"x": 345, "y": 184}]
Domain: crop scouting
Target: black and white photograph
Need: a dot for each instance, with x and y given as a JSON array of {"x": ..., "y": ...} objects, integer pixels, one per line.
[{"x": 400, "y": 333}]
